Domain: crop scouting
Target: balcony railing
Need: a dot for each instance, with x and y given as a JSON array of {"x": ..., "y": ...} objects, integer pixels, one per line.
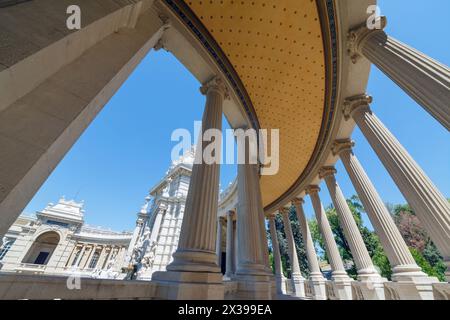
[{"x": 31, "y": 267}]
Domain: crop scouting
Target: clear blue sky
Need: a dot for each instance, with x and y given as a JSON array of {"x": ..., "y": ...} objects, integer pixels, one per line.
[{"x": 126, "y": 150}]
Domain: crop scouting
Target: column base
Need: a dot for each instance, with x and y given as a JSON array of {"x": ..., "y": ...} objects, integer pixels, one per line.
[
  {"x": 340, "y": 288},
  {"x": 414, "y": 287},
  {"x": 253, "y": 287},
  {"x": 441, "y": 291},
  {"x": 317, "y": 287},
  {"x": 280, "y": 284},
  {"x": 369, "y": 287},
  {"x": 194, "y": 261},
  {"x": 298, "y": 286},
  {"x": 176, "y": 285}
]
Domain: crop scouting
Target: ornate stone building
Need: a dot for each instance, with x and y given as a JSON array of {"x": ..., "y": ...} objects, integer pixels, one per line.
[
  {"x": 158, "y": 225},
  {"x": 301, "y": 67},
  {"x": 58, "y": 242}
]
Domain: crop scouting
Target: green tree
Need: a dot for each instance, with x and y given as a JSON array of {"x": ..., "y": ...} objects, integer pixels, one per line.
[{"x": 422, "y": 248}]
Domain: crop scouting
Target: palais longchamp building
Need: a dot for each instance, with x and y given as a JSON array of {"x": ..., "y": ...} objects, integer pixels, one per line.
[{"x": 297, "y": 66}]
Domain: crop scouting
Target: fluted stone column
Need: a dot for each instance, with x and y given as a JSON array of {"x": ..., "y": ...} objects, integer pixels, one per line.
[
  {"x": 342, "y": 282},
  {"x": 195, "y": 259},
  {"x": 250, "y": 247},
  {"x": 359, "y": 251},
  {"x": 402, "y": 262},
  {"x": 298, "y": 280},
  {"x": 421, "y": 77},
  {"x": 324, "y": 226},
  {"x": 262, "y": 222},
  {"x": 229, "y": 247},
  {"x": 372, "y": 283},
  {"x": 315, "y": 275},
  {"x": 253, "y": 279},
  {"x": 428, "y": 203},
  {"x": 280, "y": 279},
  {"x": 219, "y": 242}
]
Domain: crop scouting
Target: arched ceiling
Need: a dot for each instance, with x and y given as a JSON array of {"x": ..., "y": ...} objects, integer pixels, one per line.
[{"x": 276, "y": 48}]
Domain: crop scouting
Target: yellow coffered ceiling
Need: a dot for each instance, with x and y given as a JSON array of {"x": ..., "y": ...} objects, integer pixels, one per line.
[{"x": 276, "y": 48}]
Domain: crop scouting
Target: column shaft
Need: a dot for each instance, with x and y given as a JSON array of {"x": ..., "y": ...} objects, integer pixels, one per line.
[
  {"x": 390, "y": 237},
  {"x": 229, "y": 248},
  {"x": 157, "y": 225},
  {"x": 430, "y": 206},
  {"x": 313, "y": 263},
  {"x": 276, "y": 255},
  {"x": 275, "y": 247},
  {"x": 422, "y": 78},
  {"x": 298, "y": 281},
  {"x": 291, "y": 243},
  {"x": 324, "y": 226},
  {"x": 219, "y": 243},
  {"x": 251, "y": 260},
  {"x": 196, "y": 246},
  {"x": 359, "y": 251}
]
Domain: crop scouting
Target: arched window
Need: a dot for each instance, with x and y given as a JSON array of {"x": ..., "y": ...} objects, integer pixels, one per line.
[{"x": 42, "y": 248}]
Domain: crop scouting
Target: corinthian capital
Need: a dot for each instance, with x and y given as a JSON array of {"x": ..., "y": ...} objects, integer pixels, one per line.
[
  {"x": 297, "y": 201},
  {"x": 284, "y": 210},
  {"x": 312, "y": 189},
  {"x": 356, "y": 102},
  {"x": 327, "y": 171},
  {"x": 341, "y": 145},
  {"x": 216, "y": 84},
  {"x": 357, "y": 36}
]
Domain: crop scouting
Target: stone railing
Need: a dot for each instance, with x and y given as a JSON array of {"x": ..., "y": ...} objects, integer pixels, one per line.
[
  {"x": 289, "y": 287},
  {"x": 31, "y": 268},
  {"x": 14, "y": 287},
  {"x": 308, "y": 289},
  {"x": 330, "y": 291}
]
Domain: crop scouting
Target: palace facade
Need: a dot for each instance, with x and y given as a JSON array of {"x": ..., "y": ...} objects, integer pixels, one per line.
[{"x": 58, "y": 242}]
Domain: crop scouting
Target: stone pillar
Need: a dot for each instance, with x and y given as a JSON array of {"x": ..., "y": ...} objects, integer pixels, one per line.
[
  {"x": 72, "y": 256},
  {"x": 298, "y": 281},
  {"x": 372, "y": 281},
  {"x": 279, "y": 277},
  {"x": 316, "y": 279},
  {"x": 341, "y": 281},
  {"x": 261, "y": 220},
  {"x": 219, "y": 242},
  {"x": 157, "y": 225},
  {"x": 404, "y": 267},
  {"x": 229, "y": 247},
  {"x": 422, "y": 78},
  {"x": 251, "y": 274},
  {"x": 101, "y": 258},
  {"x": 194, "y": 273},
  {"x": 80, "y": 256},
  {"x": 89, "y": 258},
  {"x": 428, "y": 203}
]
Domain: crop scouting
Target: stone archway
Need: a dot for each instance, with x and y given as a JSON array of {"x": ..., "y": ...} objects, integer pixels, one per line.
[{"x": 42, "y": 248}]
